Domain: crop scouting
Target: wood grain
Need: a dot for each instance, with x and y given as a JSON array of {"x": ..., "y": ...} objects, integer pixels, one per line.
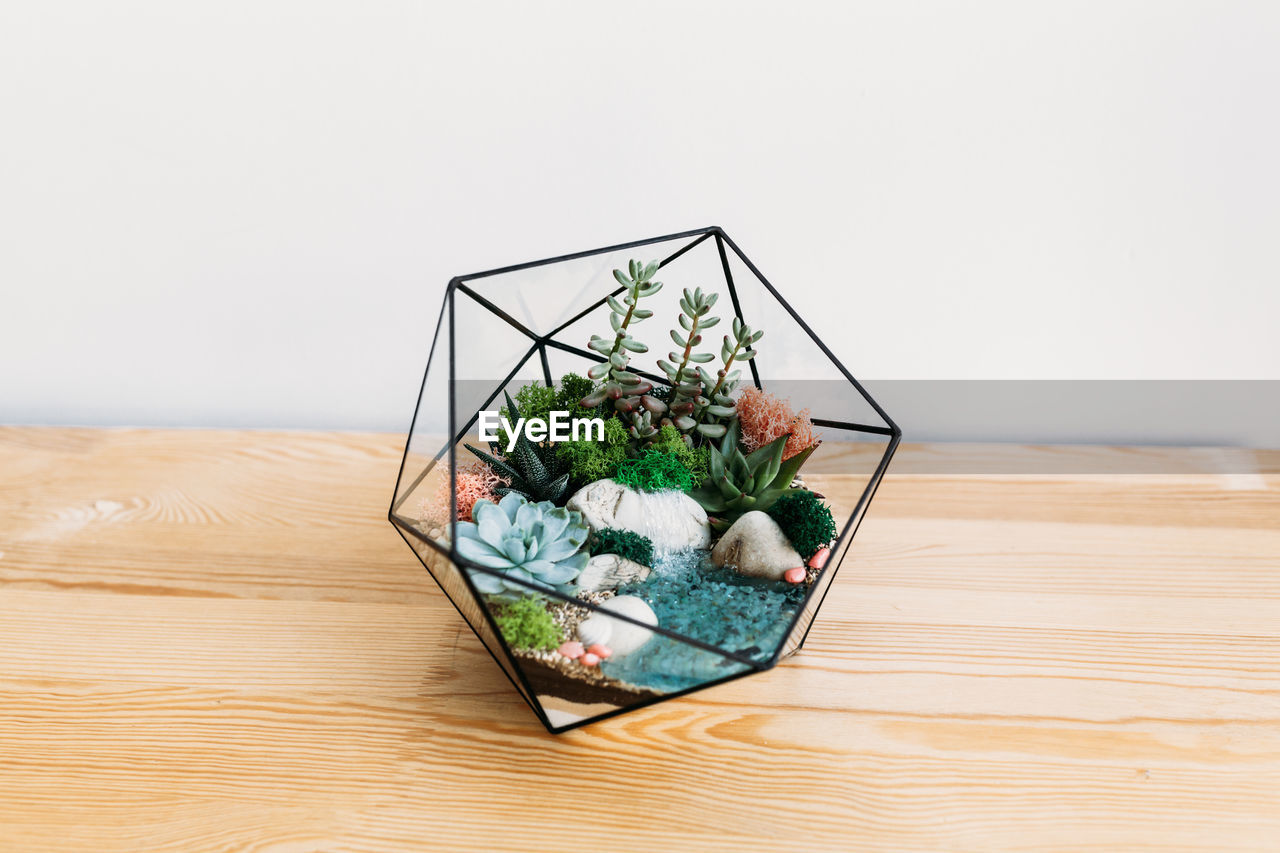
[{"x": 213, "y": 641}]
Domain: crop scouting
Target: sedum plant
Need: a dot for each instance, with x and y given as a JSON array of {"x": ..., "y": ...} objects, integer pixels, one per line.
[
  {"x": 685, "y": 393},
  {"x": 741, "y": 482},
  {"x": 534, "y": 473},
  {"x": 716, "y": 407},
  {"x": 628, "y": 392},
  {"x": 538, "y": 543}
]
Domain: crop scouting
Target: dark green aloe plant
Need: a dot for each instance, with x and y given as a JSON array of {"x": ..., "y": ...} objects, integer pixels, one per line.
[
  {"x": 742, "y": 482},
  {"x": 628, "y": 391},
  {"x": 535, "y": 474},
  {"x": 685, "y": 398}
]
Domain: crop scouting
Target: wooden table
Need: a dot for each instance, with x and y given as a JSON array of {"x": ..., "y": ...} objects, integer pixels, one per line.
[{"x": 215, "y": 641}]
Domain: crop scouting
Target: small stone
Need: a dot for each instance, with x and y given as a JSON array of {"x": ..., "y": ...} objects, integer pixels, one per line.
[
  {"x": 671, "y": 520},
  {"x": 756, "y": 546},
  {"x": 571, "y": 649},
  {"x": 610, "y": 571},
  {"x": 796, "y": 575},
  {"x": 622, "y": 637},
  {"x": 819, "y": 559},
  {"x": 589, "y": 659},
  {"x": 600, "y": 650}
]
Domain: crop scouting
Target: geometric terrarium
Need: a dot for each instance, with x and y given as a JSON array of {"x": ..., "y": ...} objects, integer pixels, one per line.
[{"x": 635, "y": 471}]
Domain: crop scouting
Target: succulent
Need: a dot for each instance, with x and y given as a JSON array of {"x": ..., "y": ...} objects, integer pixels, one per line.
[
  {"x": 715, "y": 406},
  {"x": 628, "y": 391},
  {"x": 685, "y": 398},
  {"x": 538, "y": 543},
  {"x": 534, "y": 472},
  {"x": 741, "y": 482}
]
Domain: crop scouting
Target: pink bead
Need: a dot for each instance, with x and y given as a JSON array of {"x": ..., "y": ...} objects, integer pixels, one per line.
[
  {"x": 796, "y": 575},
  {"x": 589, "y": 659},
  {"x": 571, "y": 649},
  {"x": 819, "y": 559},
  {"x": 600, "y": 650}
]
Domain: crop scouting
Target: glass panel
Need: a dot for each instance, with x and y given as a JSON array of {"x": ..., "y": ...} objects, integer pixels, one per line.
[
  {"x": 624, "y": 571},
  {"x": 421, "y": 475},
  {"x": 451, "y": 582},
  {"x": 544, "y": 297}
]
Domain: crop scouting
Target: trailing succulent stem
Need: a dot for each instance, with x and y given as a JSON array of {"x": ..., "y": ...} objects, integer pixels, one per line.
[
  {"x": 534, "y": 473},
  {"x": 741, "y": 482},
  {"x": 628, "y": 391},
  {"x": 686, "y": 385},
  {"x": 715, "y": 406}
]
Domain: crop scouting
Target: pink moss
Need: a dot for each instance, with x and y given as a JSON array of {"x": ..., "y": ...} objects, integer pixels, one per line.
[
  {"x": 764, "y": 417},
  {"x": 476, "y": 482}
]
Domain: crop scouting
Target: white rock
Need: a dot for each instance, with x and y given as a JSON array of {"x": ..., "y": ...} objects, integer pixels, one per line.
[
  {"x": 610, "y": 571},
  {"x": 622, "y": 637},
  {"x": 672, "y": 520},
  {"x": 755, "y": 545}
]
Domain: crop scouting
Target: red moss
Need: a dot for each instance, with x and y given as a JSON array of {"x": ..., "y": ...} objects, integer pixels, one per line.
[
  {"x": 764, "y": 417},
  {"x": 474, "y": 483}
]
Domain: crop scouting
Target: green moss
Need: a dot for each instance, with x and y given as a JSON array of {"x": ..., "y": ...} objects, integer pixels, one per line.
[
  {"x": 654, "y": 471},
  {"x": 624, "y": 543},
  {"x": 669, "y": 440},
  {"x": 572, "y": 389},
  {"x": 806, "y": 520},
  {"x": 534, "y": 400},
  {"x": 590, "y": 460},
  {"x": 526, "y": 624}
]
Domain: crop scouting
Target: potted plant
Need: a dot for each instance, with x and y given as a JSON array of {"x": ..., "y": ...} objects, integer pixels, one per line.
[{"x": 634, "y": 471}]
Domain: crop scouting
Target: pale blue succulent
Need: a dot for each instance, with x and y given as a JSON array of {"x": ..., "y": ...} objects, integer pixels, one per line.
[{"x": 539, "y": 543}]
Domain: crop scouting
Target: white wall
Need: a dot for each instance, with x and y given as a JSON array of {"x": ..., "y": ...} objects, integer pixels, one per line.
[{"x": 225, "y": 213}]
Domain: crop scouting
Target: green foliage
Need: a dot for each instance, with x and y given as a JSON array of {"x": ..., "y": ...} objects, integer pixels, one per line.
[
  {"x": 624, "y": 543},
  {"x": 534, "y": 400},
  {"x": 806, "y": 520},
  {"x": 521, "y": 541},
  {"x": 670, "y": 441},
  {"x": 627, "y": 391},
  {"x": 714, "y": 408},
  {"x": 572, "y": 389},
  {"x": 534, "y": 472},
  {"x": 588, "y": 461},
  {"x": 685, "y": 401},
  {"x": 740, "y": 482},
  {"x": 654, "y": 471},
  {"x": 527, "y": 624}
]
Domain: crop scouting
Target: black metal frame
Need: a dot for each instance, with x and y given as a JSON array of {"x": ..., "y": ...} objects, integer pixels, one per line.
[{"x": 539, "y": 345}]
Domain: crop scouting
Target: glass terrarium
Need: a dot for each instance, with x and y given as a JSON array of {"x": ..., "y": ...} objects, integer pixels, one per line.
[{"x": 635, "y": 471}]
